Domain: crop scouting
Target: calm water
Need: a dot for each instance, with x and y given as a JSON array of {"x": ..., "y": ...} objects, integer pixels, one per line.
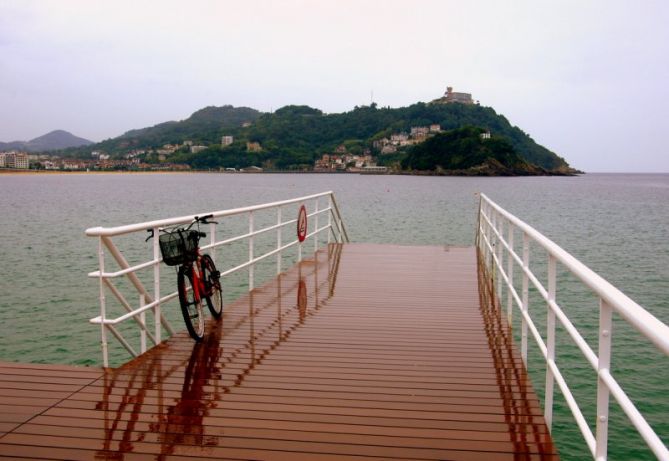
[{"x": 616, "y": 224}]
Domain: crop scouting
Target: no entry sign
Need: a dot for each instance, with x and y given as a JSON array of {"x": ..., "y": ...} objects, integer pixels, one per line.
[{"x": 302, "y": 224}]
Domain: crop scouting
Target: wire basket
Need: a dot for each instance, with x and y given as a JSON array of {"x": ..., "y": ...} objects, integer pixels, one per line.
[{"x": 179, "y": 246}]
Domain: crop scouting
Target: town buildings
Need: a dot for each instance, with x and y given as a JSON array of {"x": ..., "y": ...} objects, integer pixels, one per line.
[
  {"x": 342, "y": 160},
  {"x": 416, "y": 135},
  {"x": 14, "y": 160}
]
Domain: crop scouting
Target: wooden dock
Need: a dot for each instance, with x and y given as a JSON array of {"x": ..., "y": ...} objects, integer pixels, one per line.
[{"x": 371, "y": 352}]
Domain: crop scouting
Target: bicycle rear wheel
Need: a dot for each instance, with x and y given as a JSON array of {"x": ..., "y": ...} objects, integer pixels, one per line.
[
  {"x": 191, "y": 307},
  {"x": 213, "y": 292}
]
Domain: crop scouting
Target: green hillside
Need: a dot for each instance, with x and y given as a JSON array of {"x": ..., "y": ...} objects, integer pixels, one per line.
[
  {"x": 466, "y": 151},
  {"x": 204, "y": 126},
  {"x": 294, "y": 136}
]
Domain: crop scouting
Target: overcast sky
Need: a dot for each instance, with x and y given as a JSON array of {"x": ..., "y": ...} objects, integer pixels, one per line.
[{"x": 587, "y": 79}]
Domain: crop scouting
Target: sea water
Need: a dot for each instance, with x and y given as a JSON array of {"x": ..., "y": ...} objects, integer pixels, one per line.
[{"x": 617, "y": 224}]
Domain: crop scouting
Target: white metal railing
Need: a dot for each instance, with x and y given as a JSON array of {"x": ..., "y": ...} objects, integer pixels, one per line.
[
  {"x": 495, "y": 239},
  {"x": 151, "y": 302}
]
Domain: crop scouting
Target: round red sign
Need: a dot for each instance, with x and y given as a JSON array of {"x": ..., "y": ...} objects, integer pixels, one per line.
[{"x": 302, "y": 224}]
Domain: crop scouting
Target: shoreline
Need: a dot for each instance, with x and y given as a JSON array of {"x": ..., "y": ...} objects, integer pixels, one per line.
[{"x": 8, "y": 172}]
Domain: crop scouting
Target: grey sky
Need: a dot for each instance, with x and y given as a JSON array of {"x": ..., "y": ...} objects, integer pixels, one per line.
[{"x": 587, "y": 79}]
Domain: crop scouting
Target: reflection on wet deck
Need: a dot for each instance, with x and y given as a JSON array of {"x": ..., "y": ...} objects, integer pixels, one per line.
[{"x": 374, "y": 351}]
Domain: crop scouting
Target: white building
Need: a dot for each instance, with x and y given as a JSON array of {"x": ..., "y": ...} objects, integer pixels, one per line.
[
  {"x": 399, "y": 139},
  {"x": 419, "y": 130},
  {"x": 3, "y": 157},
  {"x": 17, "y": 160},
  {"x": 197, "y": 149},
  {"x": 227, "y": 140}
]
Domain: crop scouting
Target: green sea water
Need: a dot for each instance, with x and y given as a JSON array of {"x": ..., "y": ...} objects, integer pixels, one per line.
[{"x": 617, "y": 224}]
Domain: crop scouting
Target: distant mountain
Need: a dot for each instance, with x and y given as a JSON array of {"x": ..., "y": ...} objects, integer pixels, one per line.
[{"x": 55, "y": 140}]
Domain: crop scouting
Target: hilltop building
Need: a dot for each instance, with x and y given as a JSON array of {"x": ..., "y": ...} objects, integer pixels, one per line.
[
  {"x": 451, "y": 96},
  {"x": 227, "y": 140}
]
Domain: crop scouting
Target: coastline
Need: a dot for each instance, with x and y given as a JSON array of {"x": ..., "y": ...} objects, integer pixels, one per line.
[
  {"x": 4, "y": 172},
  {"x": 454, "y": 173}
]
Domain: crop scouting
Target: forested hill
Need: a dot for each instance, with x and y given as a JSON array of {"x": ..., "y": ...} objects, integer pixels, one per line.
[
  {"x": 204, "y": 126},
  {"x": 468, "y": 151},
  {"x": 304, "y": 129},
  {"x": 294, "y": 136}
]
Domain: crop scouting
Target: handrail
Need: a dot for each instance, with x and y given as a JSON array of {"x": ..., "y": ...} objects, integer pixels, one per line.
[
  {"x": 152, "y": 302},
  {"x": 641, "y": 319},
  {"x": 492, "y": 222},
  {"x": 119, "y": 230}
]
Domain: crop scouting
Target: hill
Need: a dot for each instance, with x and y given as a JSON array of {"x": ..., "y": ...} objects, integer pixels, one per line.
[
  {"x": 53, "y": 141},
  {"x": 293, "y": 137},
  {"x": 204, "y": 126},
  {"x": 467, "y": 151}
]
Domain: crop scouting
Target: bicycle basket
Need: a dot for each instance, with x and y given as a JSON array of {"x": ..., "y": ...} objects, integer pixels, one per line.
[{"x": 179, "y": 246}]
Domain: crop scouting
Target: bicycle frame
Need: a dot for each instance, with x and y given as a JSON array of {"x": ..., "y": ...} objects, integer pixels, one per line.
[{"x": 195, "y": 268}]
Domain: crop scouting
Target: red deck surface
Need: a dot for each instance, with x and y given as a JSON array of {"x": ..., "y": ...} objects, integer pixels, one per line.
[{"x": 366, "y": 352}]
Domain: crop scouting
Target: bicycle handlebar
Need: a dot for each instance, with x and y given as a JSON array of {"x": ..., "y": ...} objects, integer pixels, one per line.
[
  {"x": 197, "y": 219},
  {"x": 205, "y": 219}
]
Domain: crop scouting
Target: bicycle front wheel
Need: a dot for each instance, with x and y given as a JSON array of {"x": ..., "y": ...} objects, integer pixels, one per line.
[
  {"x": 213, "y": 292},
  {"x": 191, "y": 307}
]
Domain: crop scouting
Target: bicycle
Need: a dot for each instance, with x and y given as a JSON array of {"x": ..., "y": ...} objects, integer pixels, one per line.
[{"x": 197, "y": 277}]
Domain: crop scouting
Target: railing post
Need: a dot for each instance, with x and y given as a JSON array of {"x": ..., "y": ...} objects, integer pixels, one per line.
[
  {"x": 103, "y": 306},
  {"x": 604, "y": 363},
  {"x": 525, "y": 297},
  {"x": 156, "y": 286},
  {"x": 212, "y": 241},
  {"x": 550, "y": 342},
  {"x": 251, "y": 242},
  {"x": 492, "y": 239},
  {"x": 316, "y": 227},
  {"x": 500, "y": 258},
  {"x": 142, "y": 318},
  {"x": 278, "y": 240},
  {"x": 484, "y": 226},
  {"x": 509, "y": 274},
  {"x": 329, "y": 216}
]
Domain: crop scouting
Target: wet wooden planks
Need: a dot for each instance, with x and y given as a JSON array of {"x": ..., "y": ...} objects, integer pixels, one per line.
[
  {"x": 27, "y": 390},
  {"x": 365, "y": 352}
]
